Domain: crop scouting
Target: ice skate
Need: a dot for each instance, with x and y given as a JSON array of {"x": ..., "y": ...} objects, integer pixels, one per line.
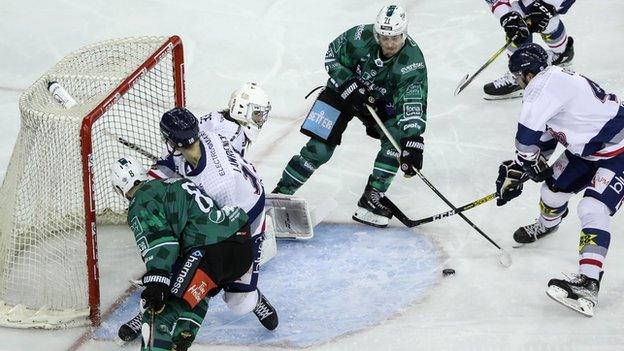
[
  {"x": 266, "y": 313},
  {"x": 533, "y": 232},
  {"x": 370, "y": 210},
  {"x": 564, "y": 58},
  {"x": 131, "y": 329},
  {"x": 504, "y": 87},
  {"x": 579, "y": 293}
]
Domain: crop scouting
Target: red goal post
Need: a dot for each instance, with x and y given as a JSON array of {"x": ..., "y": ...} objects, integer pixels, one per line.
[{"x": 57, "y": 188}]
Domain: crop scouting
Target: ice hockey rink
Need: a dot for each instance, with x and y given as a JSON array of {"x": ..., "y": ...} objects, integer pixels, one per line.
[{"x": 352, "y": 287}]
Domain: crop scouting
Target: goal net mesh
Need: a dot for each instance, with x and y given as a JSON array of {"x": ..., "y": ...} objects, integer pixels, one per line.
[{"x": 43, "y": 246}]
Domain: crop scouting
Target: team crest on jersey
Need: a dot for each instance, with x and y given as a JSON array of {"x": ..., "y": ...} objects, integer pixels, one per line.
[{"x": 559, "y": 136}]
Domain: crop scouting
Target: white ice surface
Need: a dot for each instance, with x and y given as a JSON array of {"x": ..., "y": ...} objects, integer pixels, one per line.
[{"x": 281, "y": 44}]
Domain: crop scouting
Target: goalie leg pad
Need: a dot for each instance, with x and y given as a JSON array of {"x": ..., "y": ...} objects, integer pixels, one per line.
[
  {"x": 269, "y": 245},
  {"x": 290, "y": 216}
]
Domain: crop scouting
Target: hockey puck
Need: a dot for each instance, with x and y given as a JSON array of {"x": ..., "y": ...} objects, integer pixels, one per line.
[{"x": 448, "y": 271}]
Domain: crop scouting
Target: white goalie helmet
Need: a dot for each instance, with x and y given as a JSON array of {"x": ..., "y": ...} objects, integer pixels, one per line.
[
  {"x": 391, "y": 21},
  {"x": 127, "y": 172},
  {"x": 250, "y": 106}
]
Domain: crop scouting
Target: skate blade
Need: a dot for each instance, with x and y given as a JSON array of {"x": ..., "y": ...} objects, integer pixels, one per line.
[
  {"x": 514, "y": 95},
  {"x": 366, "y": 217},
  {"x": 582, "y": 306}
]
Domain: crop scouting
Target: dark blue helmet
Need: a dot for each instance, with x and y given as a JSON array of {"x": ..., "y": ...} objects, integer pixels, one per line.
[
  {"x": 528, "y": 57},
  {"x": 179, "y": 126}
]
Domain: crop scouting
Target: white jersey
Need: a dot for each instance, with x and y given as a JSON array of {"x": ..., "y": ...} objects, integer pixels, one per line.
[
  {"x": 575, "y": 111},
  {"x": 223, "y": 174},
  {"x": 217, "y": 123},
  {"x": 501, "y": 7}
]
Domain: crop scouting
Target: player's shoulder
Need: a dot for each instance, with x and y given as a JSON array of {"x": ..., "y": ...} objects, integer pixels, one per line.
[
  {"x": 208, "y": 121},
  {"x": 410, "y": 61},
  {"x": 545, "y": 81},
  {"x": 360, "y": 36}
]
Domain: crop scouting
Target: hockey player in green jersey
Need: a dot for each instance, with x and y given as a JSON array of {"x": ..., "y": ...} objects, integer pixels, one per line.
[
  {"x": 381, "y": 66},
  {"x": 191, "y": 249}
]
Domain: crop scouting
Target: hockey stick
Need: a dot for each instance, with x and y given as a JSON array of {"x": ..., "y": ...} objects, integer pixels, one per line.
[
  {"x": 466, "y": 80},
  {"x": 131, "y": 145},
  {"x": 504, "y": 258},
  {"x": 147, "y": 331},
  {"x": 414, "y": 223}
]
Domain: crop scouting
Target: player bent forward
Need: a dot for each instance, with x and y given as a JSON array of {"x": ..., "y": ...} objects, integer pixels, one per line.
[
  {"x": 191, "y": 250},
  {"x": 374, "y": 64},
  {"x": 566, "y": 107}
]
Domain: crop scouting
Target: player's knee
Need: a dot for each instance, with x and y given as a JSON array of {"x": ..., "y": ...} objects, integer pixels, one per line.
[
  {"x": 317, "y": 153},
  {"x": 552, "y": 197},
  {"x": 241, "y": 303},
  {"x": 593, "y": 213}
]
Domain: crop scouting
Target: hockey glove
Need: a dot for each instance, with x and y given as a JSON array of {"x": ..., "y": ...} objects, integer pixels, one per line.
[
  {"x": 508, "y": 182},
  {"x": 411, "y": 155},
  {"x": 156, "y": 291},
  {"x": 356, "y": 94},
  {"x": 539, "y": 15},
  {"x": 515, "y": 27},
  {"x": 538, "y": 169}
]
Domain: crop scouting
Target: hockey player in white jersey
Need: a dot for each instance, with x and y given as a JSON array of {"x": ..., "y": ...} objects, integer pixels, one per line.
[
  {"x": 248, "y": 110},
  {"x": 209, "y": 152},
  {"x": 520, "y": 19},
  {"x": 566, "y": 107}
]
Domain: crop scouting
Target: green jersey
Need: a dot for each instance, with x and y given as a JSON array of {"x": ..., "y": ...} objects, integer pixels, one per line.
[
  {"x": 400, "y": 80},
  {"x": 169, "y": 216}
]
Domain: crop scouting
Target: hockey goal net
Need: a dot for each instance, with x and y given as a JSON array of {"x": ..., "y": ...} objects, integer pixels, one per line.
[{"x": 57, "y": 182}]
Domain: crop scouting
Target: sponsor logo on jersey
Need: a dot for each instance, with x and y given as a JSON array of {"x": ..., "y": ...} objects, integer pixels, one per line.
[
  {"x": 617, "y": 185},
  {"x": 142, "y": 245},
  {"x": 412, "y": 67},
  {"x": 216, "y": 217},
  {"x": 135, "y": 225},
  {"x": 411, "y": 110},
  {"x": 601, "y": 180},
  {"x": 191, "y": 261},
  {"x": 413, "y": 89},
  {"x": 358, "y": 33},
  {"x": 559, "y": 166}
]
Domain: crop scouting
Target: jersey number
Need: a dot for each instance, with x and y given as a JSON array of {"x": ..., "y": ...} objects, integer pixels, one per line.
[
  {"x": 600, "y": 93},
  {"x": 203, "y": 202},
  {"x": 250, "y": 177}
]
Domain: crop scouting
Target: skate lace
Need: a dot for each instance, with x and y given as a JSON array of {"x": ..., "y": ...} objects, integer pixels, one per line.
[
  {"x": 375, "y": 198},
  {"x": 507, "y": 79},
  {"x": 535, "y": 229},
  {"x": 135, "y": 323},
  {"x": 262, "y": 311}
]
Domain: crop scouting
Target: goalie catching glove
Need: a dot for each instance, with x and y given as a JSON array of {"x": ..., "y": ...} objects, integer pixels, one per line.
[
  {"x": 156, "y": 282},
  {"x": 412, "y": 155},
  {"x": 508, "y": 182}
]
